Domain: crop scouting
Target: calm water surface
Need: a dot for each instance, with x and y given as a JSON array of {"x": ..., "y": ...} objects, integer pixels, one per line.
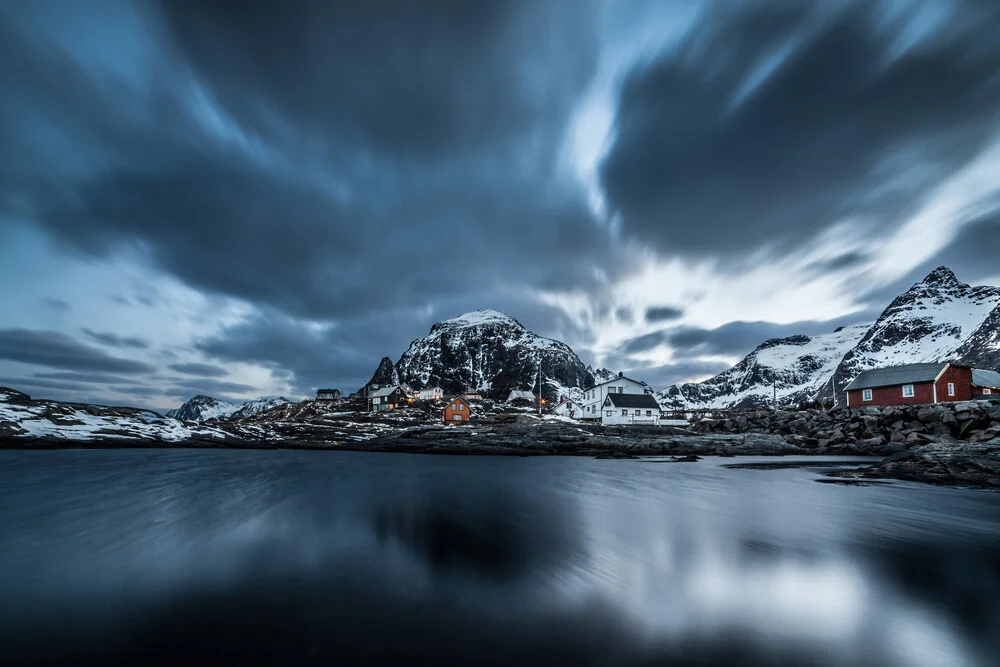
[{"x": 184, "y": 557}]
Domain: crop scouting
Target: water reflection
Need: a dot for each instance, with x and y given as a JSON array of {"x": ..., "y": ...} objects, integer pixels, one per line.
[{"x": 320, "y": 558}]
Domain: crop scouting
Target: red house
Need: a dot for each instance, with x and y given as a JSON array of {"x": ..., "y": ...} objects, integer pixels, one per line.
[
  {"x": 911, "y": 384},
  {"x": 985, "y": 383},
  {"x": 457, "y": 411}
]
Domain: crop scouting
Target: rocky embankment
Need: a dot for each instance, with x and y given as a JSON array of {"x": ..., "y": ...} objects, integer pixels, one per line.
[{"x": 947, "y": 443}]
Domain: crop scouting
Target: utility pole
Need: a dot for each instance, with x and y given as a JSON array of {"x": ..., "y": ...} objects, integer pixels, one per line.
[
  {"x": 539, "y": 385},
  {"x": 774, "y": 384}
]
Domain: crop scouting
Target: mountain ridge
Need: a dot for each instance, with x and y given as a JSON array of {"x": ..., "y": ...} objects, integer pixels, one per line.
[{"x": 937, "y": 319}]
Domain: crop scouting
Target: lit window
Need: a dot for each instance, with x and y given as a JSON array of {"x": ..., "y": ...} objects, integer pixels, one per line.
[
  {"x": 907, "y": 391},
  {"x": 866, "y": 395},
  {"x": 987, "y": 392},
  {"x": 951, "y": 388}
]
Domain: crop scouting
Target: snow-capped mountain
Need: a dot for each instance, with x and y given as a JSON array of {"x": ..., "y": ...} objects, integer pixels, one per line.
[
  {"x": 23, "y": 418},
  {"x": 938, "y": 319},
  {"x": 202, "y": 408},
  {"x": 492, "y": 352}
]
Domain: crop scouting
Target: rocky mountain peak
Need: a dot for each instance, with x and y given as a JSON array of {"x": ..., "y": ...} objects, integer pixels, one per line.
[
  {"x": 385, "y": 376},
  {"x": 942, "y": 276},
  {"x": 478, "y": 318},
  {"x": 491, "y": 352}
]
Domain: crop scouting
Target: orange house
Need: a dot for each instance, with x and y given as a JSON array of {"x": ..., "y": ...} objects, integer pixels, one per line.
[{"x": 456, "y": 411}]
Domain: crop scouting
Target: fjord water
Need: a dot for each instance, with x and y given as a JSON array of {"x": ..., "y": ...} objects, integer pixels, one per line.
[{"x": 294, "y": 557}]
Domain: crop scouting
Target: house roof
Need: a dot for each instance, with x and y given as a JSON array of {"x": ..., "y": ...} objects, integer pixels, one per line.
[
  {"x": 385, "y": 391},
  {"x": 518, "y": 393},
  {"x": 432, "y": 389},
  {"x": 457, "y": 399},
  {"x": 982, "y": 378},
  {"x": 616, "y": 379},
  {"x": 894, "y": 375},
  {"x": 632, "y": 401},
  {"x": 326, "y": 391}
]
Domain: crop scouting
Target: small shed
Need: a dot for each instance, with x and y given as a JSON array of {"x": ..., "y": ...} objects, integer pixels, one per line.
[
  {"x": 328, "y": 394},
  {"x": 456, "y": 411}
]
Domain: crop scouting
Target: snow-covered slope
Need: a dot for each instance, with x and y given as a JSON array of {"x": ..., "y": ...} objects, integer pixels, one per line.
[
  {"x": 796, "y": 367},
  {"x": 492, "y": 352},
  {"x": 21, "y": 417},
  {"x": 202, "y": 408},
  {"x": 938, "y": 319}
]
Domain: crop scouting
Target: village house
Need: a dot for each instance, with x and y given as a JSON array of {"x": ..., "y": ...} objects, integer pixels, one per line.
[
  {"x": 593, "y": 398},
  {"x": 408, "y": 390},
  {"x": 518, "y": 395},
  {"x": 567, "y": 407},
  {"x": 456, "y": 411},
  {"x": 630, "y": 409},
  {"x": 387, "y": 398},
  {"x": 985, "y": 383},
  {"x": 431, "y": 394},
  {"x": 472, "y": 396},
  {"x": 913, "y": 384},
  {"x": 328, "y": 394}
]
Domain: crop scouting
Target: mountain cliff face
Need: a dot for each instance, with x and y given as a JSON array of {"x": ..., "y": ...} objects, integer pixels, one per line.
[
  {"x": 202, "y": 408},
  {"x": 385, "y": 376},
  {"x": 938, "y": 319},
  {"x": 492, "y": 352}
]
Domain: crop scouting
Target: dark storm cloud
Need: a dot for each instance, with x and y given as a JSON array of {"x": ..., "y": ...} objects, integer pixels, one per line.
[
  {"x": 382, "y": 135},
  {"x": 739, "y": 338},
  {"x": 663, "y": 376},
  {"x": 114, "y": 340},
  {"x": 308, "y": 357},
  {"x": 202, "y": 370},
  {"x": 88, "y": 378},
  {"x": 646, "y": 342},
  {"x": 704, "y": 161},
  {"x": 57, "y": 350},
  {"x": 663, "y": 313},
  {"x": 57, "y": 304},
  {"x": 208, "y": 387}
]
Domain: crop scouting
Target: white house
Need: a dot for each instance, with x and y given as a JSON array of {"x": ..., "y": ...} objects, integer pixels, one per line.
[
  {"x": 567, "y": 407},
  {"x": 630, "y": 409},
  {"x": 431, "y": 394},
  {"x": 593, "y": 398},
  {"x": 519, "y": 395}
]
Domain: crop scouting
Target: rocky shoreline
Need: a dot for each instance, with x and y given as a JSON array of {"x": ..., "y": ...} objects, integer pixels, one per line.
[{"x": 957, "y": 443}]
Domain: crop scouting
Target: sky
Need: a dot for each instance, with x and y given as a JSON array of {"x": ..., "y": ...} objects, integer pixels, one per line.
[{"x": 259, "y": 199}]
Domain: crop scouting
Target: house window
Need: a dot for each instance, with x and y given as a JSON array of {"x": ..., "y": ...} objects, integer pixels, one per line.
[
  {"x": 987, "y": 392},
  {"x": 608, "y": 413},
  {"x": 866, "y": 394},
  {"x": 649, "y": 413},
  {"x": 907, "y": 391},
  {"x": 624, "y": 413},
  {"x": 621, "y": 390},
  {"x": 458, "y": 418},
  {"x": 951, "y": 388},
  {"x": 637, "y": 413},
  {"x": 454, "y": 406}
]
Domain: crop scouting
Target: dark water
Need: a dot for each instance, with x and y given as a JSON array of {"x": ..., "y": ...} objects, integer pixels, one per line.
[{"x": 224, "y": 557}]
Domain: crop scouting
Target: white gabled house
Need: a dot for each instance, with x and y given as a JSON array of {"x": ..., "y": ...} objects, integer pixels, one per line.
[
  {"x": 567, "y": 407},
  {"x": 593, "y": 398},
  {"x": 630, "y": 409},
  {"x": 430, "y": 394}
]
